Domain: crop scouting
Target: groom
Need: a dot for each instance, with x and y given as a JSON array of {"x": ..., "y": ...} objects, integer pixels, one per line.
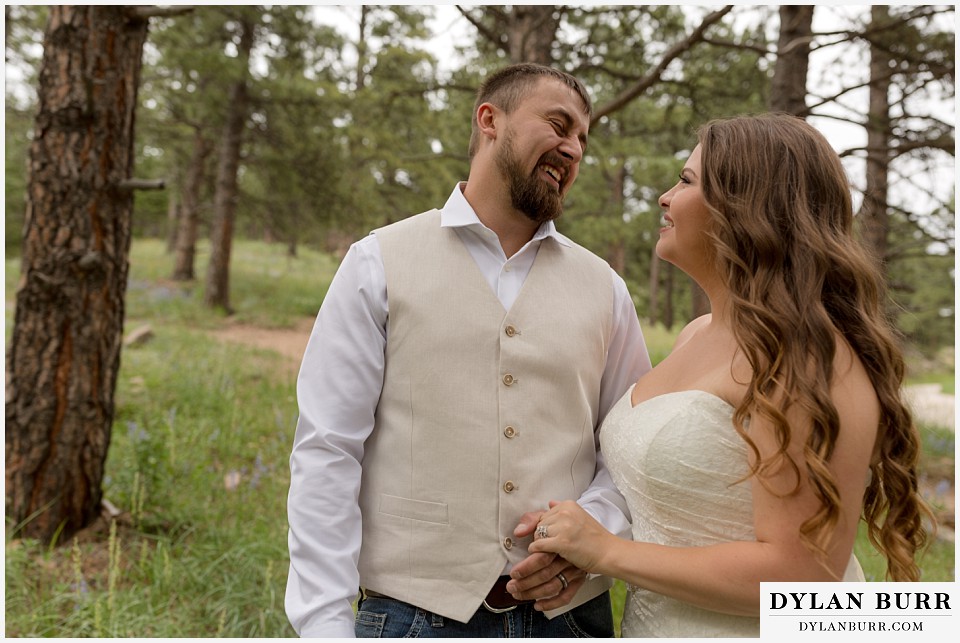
[{"x": 457, "y": 373}]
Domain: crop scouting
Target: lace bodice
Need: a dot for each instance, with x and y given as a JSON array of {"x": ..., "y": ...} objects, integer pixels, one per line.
[{"x": 680, "y": 464}]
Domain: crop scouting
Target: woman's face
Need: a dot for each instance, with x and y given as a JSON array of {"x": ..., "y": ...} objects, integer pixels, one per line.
[{"x": 683, "y": 237}]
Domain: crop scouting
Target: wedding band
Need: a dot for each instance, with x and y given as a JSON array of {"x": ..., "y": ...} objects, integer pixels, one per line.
[
  {"x": 563, "y": 580},
  {"x": 541, "y": 531}
]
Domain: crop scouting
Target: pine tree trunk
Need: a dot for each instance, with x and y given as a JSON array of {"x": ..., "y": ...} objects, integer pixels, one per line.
[
  {"x": 617, "y": 248},
  {"x": 186, "y": 245},
  {"x": 668, "y": 315},
  {"x": 874, "y": 218},
  {"x": 699, "y": 303},
  {"x": 173, "y": 220},
  {"x": 217, "y": 291},
  {"x": 64, "y": 354},
  {"x": 653, "y": 311},
  {"x": 788, "y": 88},
  {"x": 532, "y": 31}
]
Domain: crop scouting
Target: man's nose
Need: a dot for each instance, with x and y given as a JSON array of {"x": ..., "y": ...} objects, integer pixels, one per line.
[{"x": 572, "y": 149}]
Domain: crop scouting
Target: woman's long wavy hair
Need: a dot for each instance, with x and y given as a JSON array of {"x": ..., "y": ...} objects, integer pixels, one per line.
[{"x": 784, "y": 231}]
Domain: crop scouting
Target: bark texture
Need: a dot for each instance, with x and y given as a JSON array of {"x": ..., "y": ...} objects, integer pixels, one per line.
[
  {"x": 788, "y": 88},
  {"x": 64, "y": 354},
  {"x": 217, "y": 290},
  {"x": 185, "y": 247},
  {"x": 531, "y": 33},
  {"x": 525, "y": 33},
  {"x": 874, "y": 217}
]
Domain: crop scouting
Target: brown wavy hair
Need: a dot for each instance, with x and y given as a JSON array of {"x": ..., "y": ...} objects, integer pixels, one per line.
[{"x": 783, "y": 217}]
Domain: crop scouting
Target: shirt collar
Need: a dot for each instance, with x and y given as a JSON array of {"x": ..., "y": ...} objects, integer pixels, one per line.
[{"x": 458, "y": 213}]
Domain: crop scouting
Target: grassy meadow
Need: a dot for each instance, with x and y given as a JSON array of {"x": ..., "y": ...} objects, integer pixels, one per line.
[{"x": 198, "y": 468}]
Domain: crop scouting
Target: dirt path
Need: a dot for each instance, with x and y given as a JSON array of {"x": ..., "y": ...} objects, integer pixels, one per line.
[
  {"x": 288, "y": 342},
  {"x": 931, "y": 405}
]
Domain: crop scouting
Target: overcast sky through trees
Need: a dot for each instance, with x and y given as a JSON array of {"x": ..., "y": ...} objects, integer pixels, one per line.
[{"x": 825, "y": 77}]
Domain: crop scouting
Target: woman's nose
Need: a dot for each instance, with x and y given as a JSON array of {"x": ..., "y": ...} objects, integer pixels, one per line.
[{"x": 664, "y": 200}]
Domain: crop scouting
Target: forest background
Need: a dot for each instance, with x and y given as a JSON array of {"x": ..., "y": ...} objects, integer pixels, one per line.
[{"x": 145, "y": 495}]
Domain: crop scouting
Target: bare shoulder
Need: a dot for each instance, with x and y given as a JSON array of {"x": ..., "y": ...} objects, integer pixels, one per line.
[
  {"x": 856, "y": 401},
  {"x": 852, "y": 386},
  {"x": 691, "y": 329}
]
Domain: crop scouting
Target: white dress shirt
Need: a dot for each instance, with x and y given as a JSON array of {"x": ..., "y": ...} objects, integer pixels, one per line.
[{"x": 338, "y": 390}]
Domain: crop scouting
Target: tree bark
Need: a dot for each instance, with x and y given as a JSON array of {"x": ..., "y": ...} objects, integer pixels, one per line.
[
  {"x": 64, "y": 352},
  {"x": 525, "y": 33},
  {"x": 617, "y": 248},
  {"x": 186, "y": 244},
  {"x": 217, "y": 291},
  {"x": 874, "y": 218},
  {"x": 788, "y": 88},
  {"x": 699, "y": 302},
  {"x": 173, "y": 220},
  {"x": 362, "y": 49},
  {"x": 532, "y": 32},
  {"x": 668, "y": 314},
  {"x": 653, "y": 312}
]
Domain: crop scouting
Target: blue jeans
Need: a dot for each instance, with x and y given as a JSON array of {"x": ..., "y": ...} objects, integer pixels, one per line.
[{"x": 389, "y": 618}]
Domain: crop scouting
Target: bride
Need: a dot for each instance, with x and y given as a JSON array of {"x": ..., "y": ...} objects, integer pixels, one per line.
[{"x": 752, "y": 451}]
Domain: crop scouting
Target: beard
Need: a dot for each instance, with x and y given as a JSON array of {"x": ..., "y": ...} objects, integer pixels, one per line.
[{"x": 529, "y": 194}]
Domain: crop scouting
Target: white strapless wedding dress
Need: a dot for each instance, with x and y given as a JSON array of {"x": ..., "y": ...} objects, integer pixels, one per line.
[{"x": 680, "y": 464}]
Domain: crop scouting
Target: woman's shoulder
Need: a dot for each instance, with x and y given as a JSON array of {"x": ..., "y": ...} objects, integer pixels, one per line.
[
  {"x": 852, "y": 390},
  {"x": 691, "y": 329}
]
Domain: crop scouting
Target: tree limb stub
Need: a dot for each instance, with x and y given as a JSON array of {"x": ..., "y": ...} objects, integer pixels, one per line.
[{"x": 141, "y": 184}]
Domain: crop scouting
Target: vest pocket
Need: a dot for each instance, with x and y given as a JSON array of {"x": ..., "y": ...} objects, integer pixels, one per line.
[{"x": 435, "y": 512}]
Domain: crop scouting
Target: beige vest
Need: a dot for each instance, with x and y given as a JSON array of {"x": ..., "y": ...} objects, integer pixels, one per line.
[{"x": 485, "y": 414}]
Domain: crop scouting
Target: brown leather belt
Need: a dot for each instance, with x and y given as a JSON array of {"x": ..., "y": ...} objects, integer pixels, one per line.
[{"x": 498, "y": 598}]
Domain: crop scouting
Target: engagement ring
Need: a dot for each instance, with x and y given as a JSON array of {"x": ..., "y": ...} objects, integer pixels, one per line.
[{"x": 541, "y": 531}]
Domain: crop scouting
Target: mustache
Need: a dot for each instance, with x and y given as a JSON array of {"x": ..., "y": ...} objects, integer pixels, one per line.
[{"x": 556, "y": 160}]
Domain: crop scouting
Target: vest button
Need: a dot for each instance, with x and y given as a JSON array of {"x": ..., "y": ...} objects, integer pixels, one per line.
[
  {"x": 510, "y": 432},
  {"x": 511, "y": 331},
  {"x": 509, "y": 487},
  {"x": 508, "y": 379},
  {"x": 508, "y": 543}
]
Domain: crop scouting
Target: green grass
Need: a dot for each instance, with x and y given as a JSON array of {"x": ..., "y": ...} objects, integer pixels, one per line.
[
  {"x": 945, "y": 380},
  {"x": 659, "y": 341},
  {"x": 936, "y": 561},
  {"x": 267, "y": 287},
  {"x": 198, "y": 464},
  {"x": 197, "y": 556}
]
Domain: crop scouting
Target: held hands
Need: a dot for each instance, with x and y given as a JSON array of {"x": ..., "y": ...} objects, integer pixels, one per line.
[
  {"x": 569, "y": 531},
  {"x": 545, "y": 577},
  {"x": 567, "y": 541}
]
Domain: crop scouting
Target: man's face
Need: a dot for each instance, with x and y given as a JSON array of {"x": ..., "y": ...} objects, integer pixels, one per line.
[{"x": 541, "y": 149}]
